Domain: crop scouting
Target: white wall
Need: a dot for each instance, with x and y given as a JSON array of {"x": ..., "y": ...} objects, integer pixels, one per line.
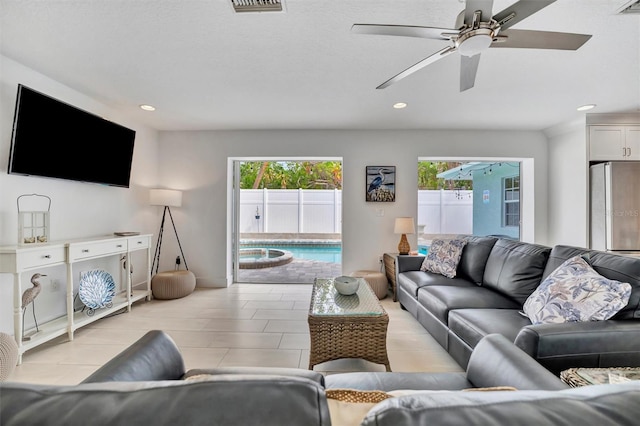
[
  {"x": 197, "y": 162},
  {"x": 78, "y": 209},
  {"x": 568, "y": 177}
]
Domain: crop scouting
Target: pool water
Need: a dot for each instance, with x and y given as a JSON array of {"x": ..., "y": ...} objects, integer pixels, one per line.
[{"x": 331, "y": 254}]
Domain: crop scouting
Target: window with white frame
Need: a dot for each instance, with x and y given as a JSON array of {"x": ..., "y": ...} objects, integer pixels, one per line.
[{"x": 511, "y": 201}]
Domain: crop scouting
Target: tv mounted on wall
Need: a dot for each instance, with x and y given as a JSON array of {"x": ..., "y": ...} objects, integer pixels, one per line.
[{"x": 56, "y": 140}]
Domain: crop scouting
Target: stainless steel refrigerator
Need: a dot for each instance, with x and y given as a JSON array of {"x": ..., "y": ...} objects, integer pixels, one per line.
[{"x": 615, "y": 206}]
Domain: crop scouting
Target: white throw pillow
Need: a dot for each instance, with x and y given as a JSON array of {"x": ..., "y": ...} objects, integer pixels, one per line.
[
  {"x": 443, "y": 257},
  {"x": 575, "y": 292}
]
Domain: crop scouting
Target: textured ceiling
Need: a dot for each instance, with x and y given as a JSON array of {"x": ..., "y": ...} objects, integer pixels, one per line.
[{"x": 206, "y": 67}]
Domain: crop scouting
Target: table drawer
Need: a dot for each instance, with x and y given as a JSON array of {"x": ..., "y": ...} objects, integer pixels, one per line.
[
  {"x": 41, "y": 257},
  {"x": 138, "y": 243},
  {"x": 88, "y": 250}
]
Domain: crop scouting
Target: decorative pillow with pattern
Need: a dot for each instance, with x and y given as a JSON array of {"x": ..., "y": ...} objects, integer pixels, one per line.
[
  {"x": 575, "y": 292},
  {"x": 443, "y": 257}
]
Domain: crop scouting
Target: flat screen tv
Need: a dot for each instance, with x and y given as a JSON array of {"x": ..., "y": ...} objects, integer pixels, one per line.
[{"x": 54, "y": 139}]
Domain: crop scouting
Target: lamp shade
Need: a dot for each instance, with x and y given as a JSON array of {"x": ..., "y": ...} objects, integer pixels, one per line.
[
  {"x": 165, "y": 197},
  {"x": 404, "y": 225}
]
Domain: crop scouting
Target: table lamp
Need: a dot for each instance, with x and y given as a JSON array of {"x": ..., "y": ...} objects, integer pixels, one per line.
[
  {"x": 167, "y": 198},
  {"x": 404, "y": 226}
]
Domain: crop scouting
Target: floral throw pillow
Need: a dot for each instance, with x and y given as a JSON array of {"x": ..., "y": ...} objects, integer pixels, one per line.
[
  {"x": 575, "y": 292},
  {"x": 443, "y": 257}
]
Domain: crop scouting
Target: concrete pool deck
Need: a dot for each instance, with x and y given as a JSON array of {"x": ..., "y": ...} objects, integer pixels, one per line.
[{"x": 298, "y": 271}]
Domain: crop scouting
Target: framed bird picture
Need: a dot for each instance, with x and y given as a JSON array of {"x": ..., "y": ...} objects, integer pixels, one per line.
[{"x": 380, "y": 183}]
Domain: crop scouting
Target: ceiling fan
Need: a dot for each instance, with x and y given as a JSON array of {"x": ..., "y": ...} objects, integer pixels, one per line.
[{"x": 477, "y": 30}]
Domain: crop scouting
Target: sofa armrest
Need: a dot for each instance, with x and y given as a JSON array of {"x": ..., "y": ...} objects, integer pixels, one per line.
[
  {"x": 155, "y": 356},
  {"x": 408, "y": 263},
  {"x": 496, "y": 361},
  {"x": 592, "y": 344}
]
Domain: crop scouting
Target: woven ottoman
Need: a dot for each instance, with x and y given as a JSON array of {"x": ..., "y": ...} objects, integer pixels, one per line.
[
  {"x": 8, "y": 356},
  {"x": 376, "y": 280},
  {"x": 173, "y": 284}
]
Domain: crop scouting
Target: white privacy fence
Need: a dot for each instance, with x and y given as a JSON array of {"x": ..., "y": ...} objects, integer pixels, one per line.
[
  {"x": 290, "y": 210},
  {"x": 445, "y": 212},
  {"x": 320, "y": 211}
]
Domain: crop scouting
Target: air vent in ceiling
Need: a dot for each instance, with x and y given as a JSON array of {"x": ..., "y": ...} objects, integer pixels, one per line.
[
  {"x": 257, "y": 5},
  {"x": 629, "y": 8}
]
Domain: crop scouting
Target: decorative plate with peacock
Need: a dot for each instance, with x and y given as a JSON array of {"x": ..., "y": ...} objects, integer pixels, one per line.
[{"x": 97, "y": 289}]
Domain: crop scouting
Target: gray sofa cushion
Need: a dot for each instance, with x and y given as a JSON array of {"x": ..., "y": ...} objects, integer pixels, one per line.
[
  {"x": 602, "y": 405},
  {"x": 621, "y": 268},
  {"x": 440, "y": 300},
  {"x": 412, "y": 281},
  {"x": 471, "y": 325},
  {"x": 474, "y": 257},
  {"x": 559, "y": 254},
  {"x": 515, "y": 268},
  {"x": 398, "y": 381},
  {"x": 591, "y": 344},
  {"x": 227, "y": 400},
  {"x": 511, "y": 367}
]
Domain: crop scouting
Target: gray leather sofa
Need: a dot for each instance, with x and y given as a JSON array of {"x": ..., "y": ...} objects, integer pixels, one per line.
[
  {"x": 494, "y": 278},
  {"x": 146, "y": 384}
]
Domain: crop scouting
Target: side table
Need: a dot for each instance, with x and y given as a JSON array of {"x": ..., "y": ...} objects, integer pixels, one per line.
[{"x": 389, "y": 260}]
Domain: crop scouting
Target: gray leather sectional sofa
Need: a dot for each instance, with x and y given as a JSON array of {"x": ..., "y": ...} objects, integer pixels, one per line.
[
  {"x": 494, "y": 278},
  {"x": 147, "y": 385}
]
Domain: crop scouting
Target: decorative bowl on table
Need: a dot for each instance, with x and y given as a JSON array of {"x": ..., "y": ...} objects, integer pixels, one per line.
[{"x": 346, "y": 285}]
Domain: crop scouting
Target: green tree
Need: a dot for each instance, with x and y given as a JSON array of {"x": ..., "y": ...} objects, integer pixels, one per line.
[
  {"x": 291, "y": 175},
  {"x": 428, "y": 171}
]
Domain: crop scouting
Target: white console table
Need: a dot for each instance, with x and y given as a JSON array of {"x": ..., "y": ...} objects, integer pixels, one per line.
[{"x": 23, "y": 258}]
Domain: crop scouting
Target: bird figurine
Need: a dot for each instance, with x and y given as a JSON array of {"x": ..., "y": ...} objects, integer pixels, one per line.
[{"x": 29, "y": 296}]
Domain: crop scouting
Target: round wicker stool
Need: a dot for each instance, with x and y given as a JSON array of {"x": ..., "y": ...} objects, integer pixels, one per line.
[
  {"x": 173, "y": 284},
  {"x": 376, "y": 280},
  {"x": 8, "y": 356}
]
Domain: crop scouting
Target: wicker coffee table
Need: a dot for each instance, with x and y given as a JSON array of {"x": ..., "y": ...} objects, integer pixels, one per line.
[{"x": 346, "y": 326}]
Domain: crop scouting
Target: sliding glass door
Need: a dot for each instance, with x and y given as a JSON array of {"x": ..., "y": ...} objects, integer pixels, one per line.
[{"x": 287, "y": 219}]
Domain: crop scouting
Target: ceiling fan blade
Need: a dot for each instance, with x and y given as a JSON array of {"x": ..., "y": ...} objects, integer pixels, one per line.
[
  {"x": 423, "y": 63},
  {"x": 474, "y": 5},
  {"x": 530, "y": 39},
  {"x": 520, "y": 10},
  {"x": 468, "y": 70},
  {"x": 405, "y": 31}
]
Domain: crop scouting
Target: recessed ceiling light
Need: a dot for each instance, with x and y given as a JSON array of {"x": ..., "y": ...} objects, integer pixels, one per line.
[
  {"x": 586, "y": 107},
  {"x": 147, "y": 107},
  {"x": 399, "y": 105}
]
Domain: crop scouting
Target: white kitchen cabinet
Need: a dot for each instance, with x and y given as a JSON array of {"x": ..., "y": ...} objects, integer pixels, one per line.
[
  {"x": 614, "y": 143},
  {"x": 19, "y": 260}
]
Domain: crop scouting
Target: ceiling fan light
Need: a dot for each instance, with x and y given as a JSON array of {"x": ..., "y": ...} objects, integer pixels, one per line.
[{"x": 474, "y": 45}]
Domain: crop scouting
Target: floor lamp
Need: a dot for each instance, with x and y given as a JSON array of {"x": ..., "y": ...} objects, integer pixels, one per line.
[{"x": 167, "y": 198}]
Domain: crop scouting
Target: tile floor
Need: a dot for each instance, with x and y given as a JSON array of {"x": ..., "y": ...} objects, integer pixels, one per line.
[{"x": 243, "y": 325}]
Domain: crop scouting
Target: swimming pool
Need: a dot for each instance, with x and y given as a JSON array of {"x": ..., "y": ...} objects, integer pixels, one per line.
[{"x": 324, "y": 253}]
